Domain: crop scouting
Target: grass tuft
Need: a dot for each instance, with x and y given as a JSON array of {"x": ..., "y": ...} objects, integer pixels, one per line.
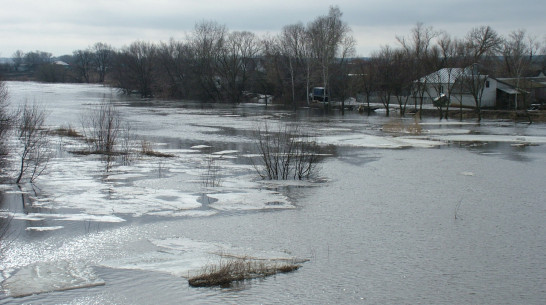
[
  {"x": 147, "y": 150},
  {"x": 234, "y": 270},
  {"x": 67, "y": 132}
]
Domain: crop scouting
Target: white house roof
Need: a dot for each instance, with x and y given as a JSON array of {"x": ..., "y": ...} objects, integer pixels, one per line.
[{"x": 443, "y": 76}]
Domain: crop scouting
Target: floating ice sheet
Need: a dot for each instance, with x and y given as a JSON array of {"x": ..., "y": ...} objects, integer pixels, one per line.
[
  {"x": 66, "y": 217},
  {"x": 40, "y": 229},
  {"x": 184, "y": 257},
  {"x": 251, "y": 200},
  {"x": 201, "y": 146},
  {"x": 491, "y": 138},
  {"x": 53, "y": 276},
  {"x": 371, "y": 141}
]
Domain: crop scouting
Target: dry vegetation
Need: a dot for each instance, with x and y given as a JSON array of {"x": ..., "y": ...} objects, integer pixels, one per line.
[
  {"x": 399, "y": 126},
  {"x": 147, "y": 150},
  {"x": 232, "y": 270},
  {"x": 66, "y": 132},
  {"x": 210, "y": 177}
]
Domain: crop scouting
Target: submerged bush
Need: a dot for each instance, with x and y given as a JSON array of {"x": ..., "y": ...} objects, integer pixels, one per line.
[
  {"x": 285, "y": 154},
  {"x": 102, "y": 127}
]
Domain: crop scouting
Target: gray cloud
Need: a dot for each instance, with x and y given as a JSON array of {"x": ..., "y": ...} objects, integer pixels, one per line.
[{"x": 63, "y": 26}]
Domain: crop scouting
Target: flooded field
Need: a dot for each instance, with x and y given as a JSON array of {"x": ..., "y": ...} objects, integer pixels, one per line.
[{"x": 440, "y": 212}]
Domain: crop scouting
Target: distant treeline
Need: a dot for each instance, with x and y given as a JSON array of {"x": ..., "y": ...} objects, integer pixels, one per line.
[{"x": 219, "y": 65}]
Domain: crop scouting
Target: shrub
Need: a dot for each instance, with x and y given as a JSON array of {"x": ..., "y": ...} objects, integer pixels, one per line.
[
  {"x": 286, "y": 154},
  {"x": 102, "y": 127}
]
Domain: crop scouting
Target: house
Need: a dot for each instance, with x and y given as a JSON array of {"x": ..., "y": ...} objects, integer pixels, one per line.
[{"x": 461, "y": 85}]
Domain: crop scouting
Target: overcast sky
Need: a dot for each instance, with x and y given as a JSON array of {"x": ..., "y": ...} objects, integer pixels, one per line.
[{"x": 62, "y": 26}]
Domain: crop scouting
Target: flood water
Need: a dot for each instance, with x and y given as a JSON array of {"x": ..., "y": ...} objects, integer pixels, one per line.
[{"x": 443, "y": 212}]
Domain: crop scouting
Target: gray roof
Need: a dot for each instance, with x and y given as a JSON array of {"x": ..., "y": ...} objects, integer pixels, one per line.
[{"x": 443, "y": 76}]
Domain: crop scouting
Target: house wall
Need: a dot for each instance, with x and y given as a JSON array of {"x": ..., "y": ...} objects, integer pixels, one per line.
[{"x": 489, "y": 97}]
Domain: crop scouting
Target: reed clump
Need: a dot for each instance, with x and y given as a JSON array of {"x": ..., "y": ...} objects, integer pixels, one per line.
[{"x": 226, "y": 272}]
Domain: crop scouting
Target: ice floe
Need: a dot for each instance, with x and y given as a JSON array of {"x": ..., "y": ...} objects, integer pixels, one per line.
[
  {"x": 61, "y": 217},
  {"x": 250, "y": 200},
  {"x": 184, "y": 257},
  {"x": 40, "y": 229},
  {"x": 372, "y": 141},
  {"x": 50, "y": 276},
  {"x": 201, "y": 146},
  {"x": 490, "y": 138}
]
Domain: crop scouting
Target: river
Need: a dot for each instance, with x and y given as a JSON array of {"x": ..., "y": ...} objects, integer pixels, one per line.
[{"x": 439, "y": 212}]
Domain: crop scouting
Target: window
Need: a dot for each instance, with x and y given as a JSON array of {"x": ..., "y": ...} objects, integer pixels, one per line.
[{"x": 486, "y": 84}]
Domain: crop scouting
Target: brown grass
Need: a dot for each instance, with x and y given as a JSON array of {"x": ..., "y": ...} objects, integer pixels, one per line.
[
  {"x": 146, "y": 149},
  {"x": 233, "y": 270},
  {"x": 66, "y": 132},
  {"x": 400, "y": 126}
]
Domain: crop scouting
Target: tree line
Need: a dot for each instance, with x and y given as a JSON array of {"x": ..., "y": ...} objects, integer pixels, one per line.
[
  {"x": 219, "y": 65},
  {"x": 211, "y": 64}
]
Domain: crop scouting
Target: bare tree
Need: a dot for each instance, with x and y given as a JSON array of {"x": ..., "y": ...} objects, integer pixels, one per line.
[
  {"x": 174, "y": 60},
  {"x": 402, "y": 78},
  {"x": 274, "y": 80},
  {"x": 327, "y": 35},
  {"x": 482, "y": 41},
  {"x": 135, "y": 68},
  {"x": 207, "y": 42},
  {"x": 18, "y": 59},
  {"x": 102, "y": 128},
  {"x": 480, "y": 44},
  {"x": 451, "y": 62},
  {"x": 384, "y": 70},
  {"x": 83, "y": 63},
  {"x": 420, "y": 60},
  {"x": 37, "y": 58},
  {"x": 419, "y": 43},
  {"x": 35, "y": 152},
  {"x": 102, "y": 56},
  {"x": 342, "y": 82},
  {"x": 235, "y": 62},
  {"x": 518, "y": 51},
  {"x": 6, "y": 120},
  {"x": 294, "y": 41},
  {"x": 366, "y": 80},
  {"x": 474, "y": 82}
]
